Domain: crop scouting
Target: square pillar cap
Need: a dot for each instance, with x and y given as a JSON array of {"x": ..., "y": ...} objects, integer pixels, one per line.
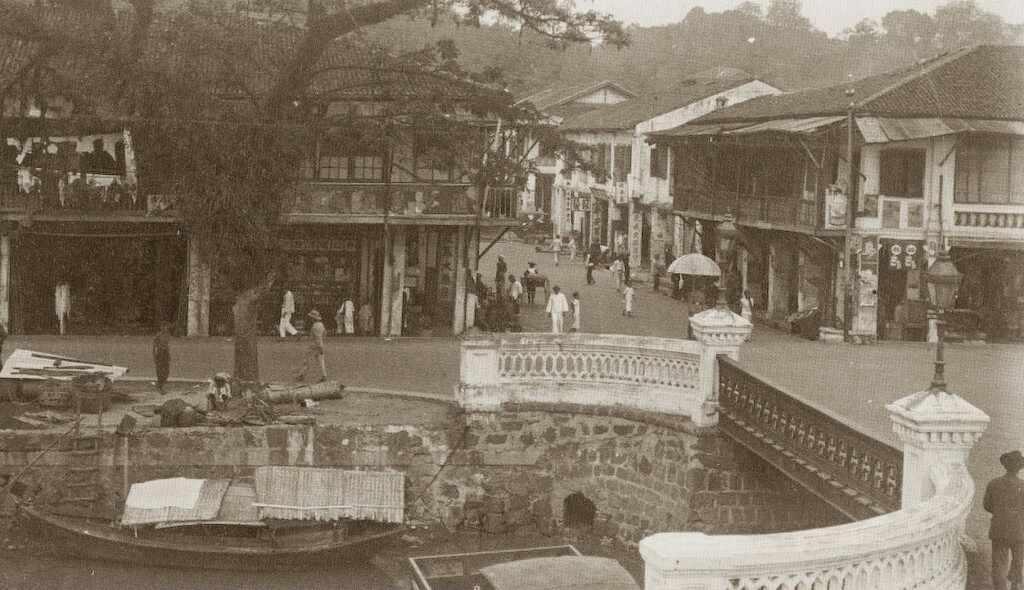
[{"x": 937, "y": 417}]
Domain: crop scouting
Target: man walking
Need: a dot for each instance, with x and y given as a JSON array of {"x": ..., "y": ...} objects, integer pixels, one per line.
[
  {"x": 499, "y": 273},
  {"x": 1004, "y": 499},
  {"x": 515, "y": 292},
  {"x": 557, "y": 306},
  {"x": 162, "y": 356},
  {"x": 315, "y": 356},
  {"x": 627, "y": 300},
  {"x": 617, "y": 271},
  {"x": 576, "y": 325},
  {"x": 590, "y": 269},
  {"x": 285, "y": 327},
  {"x": 572, "y": 249}
]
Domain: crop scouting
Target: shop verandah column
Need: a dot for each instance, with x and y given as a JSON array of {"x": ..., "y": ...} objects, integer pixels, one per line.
[
  {"x": 393, "y": 283},
  {"x": 198, "y": 292},
  {"x": 5, "y": 282}
]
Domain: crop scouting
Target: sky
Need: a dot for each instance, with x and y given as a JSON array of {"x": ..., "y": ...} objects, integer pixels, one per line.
[{"x": 831, "y": 16}]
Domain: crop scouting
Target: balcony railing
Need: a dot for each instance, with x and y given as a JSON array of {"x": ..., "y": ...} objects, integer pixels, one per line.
[
  {"x": 335, "y": 198},
  {"x": 105, "y": 194},
  {"x": 776, "y": 210}
]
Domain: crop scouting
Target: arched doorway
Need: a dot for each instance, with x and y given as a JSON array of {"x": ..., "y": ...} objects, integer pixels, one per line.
[{"x": 578, "y": 511}]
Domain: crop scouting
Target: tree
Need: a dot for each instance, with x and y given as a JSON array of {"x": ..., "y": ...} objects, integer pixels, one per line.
[
  {"x": 907, "y": 27},
  {"x": 787, "y": 14},
  {"x": 222, "y": 106},
  {"x": 866, "y": 32},
  {"x": 961, "y": 23}
]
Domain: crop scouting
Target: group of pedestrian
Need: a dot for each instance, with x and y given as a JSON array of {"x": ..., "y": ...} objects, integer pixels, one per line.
[{"x": 344, "y": 318}]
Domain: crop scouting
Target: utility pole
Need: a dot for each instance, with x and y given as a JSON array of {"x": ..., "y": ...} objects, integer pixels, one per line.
[{"x": 851, "y": 200}]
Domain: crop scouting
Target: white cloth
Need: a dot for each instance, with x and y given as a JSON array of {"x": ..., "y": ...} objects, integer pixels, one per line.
[
  {"x": 178, "y": 492},
  {"x": 288, "y": 305},
  {"x": 576, "y": 314},
  {"x": 557, "y": 305},
  {"x": 627, "y": 298},
  {"x": 345, "y": 318},
  {"x": 62, "y": 304}
]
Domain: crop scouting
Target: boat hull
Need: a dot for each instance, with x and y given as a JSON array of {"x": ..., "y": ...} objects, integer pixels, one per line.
[{"x": 96, "y": 540}]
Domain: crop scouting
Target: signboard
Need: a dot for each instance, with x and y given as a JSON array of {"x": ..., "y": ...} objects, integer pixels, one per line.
[
  {"x": 580, "y": 202},
  {"x": 905, "y": 254},
  {"x": 835, "y": 207}
]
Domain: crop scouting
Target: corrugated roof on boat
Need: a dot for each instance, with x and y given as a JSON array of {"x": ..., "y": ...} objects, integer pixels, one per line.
[
  {"x": 308, "y": 493},
  {"x": 206, "y": 507}
]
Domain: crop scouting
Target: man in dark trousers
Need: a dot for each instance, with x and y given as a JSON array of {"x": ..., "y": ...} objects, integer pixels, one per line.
[
  {"x": 162, "y": 356},
  {"x": 1004, "y": 499}
]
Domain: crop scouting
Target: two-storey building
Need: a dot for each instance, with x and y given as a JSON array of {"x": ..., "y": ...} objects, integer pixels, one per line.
[
  {"x": 937, "y": 162},
  {"x": 386, "y": 225}
]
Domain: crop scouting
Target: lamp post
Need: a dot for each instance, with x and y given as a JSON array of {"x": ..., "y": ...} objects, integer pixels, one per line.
[
  {"x": 942, "y": 280},
  {"x": 727, "y": 235}
]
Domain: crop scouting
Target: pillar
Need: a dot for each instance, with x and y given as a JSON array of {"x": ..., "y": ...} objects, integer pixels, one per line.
[
  {"x": 364, "y": 269},
  {"x": 198, "y": 292},
  {"x": 5, "y": 281},
  {"x": 936, "y": 428},
  {"x": 719, "y": 332},
  {"x": 634, "y": 232},
  {"x": 459, "y": 313},
  {"x": 393, "y": 283}
]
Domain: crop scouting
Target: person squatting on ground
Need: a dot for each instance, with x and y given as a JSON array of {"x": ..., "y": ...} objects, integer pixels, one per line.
[
  {"x": 161, "y": 356},
  {"x": 557, "y": 306},
  {"x": 285, "y": 328},
  {"x": 315, "y": 355},
  {"x": 1004, "y": 499},
  {"x": 218, "y": 392}
]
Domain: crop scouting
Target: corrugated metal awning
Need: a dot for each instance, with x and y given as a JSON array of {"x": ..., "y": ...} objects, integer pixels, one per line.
[
  {"x": 308, "y": 493},
  {"x": 807, "y": 125},
  {"x": 884, "y": 130}
]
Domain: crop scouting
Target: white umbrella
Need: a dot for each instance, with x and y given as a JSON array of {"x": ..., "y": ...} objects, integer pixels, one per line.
[{"x": 694, "y": 264}]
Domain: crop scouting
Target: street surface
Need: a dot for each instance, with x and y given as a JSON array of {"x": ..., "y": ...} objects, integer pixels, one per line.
[{"x": 848, "y": 381}]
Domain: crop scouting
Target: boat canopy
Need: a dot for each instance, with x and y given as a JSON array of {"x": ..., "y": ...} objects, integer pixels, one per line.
[
  {"x": 560, "y": 573},
  {"x": 307, "y": 493},
  {"x": 286, "y": 493}
]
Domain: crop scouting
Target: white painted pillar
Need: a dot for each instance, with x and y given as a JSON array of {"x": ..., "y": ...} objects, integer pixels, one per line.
[
  {"x": 5, "y": 282},
  {"x": 936, "y": 428},
  {"x": 459, "y": 313},
  {"x": 719, "y": 331},
  {"x": 198, "y": 292}
]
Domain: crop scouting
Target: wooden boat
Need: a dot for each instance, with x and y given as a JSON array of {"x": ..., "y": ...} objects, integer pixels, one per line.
[{"x": 236, "y": 525}]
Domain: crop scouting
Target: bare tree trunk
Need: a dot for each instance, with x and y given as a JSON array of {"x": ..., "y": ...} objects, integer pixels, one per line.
[{"x": 246, "y": 315}]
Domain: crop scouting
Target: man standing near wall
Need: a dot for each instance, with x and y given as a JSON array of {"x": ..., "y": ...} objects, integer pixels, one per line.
[{"x": 1004, "y": 499}]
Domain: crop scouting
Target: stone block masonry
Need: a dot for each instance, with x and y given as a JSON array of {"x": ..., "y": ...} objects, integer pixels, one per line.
[{"x": 504, "y": 472}]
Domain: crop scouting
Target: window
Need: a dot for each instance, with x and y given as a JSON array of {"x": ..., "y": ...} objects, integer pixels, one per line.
[
  {"x": 345, "y": 159},
  {"x": 368, "y": 167},
  {"x": 989, "y": 169},
  {"x": 334, "y": 167},
  {"x": 659, "y": 161},
  {"x": 902, "y": 173}
]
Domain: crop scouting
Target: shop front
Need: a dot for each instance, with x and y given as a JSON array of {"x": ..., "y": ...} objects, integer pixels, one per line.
[
  {"x": 990, "y": 302},
  {"x": 112, "y": 278},
  {"x": 902, "y": 303}
]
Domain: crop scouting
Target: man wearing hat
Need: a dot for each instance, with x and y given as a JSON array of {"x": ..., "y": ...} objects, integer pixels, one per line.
[
  {"x": 1004, "y": 499},
  {"x": 315, "y": 355}
]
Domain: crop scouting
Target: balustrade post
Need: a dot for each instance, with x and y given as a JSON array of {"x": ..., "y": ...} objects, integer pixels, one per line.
[
  {"x": 936, "y": 428},
  {"x": 719, "y": 331},
  {"x": 478, "y": 376}
]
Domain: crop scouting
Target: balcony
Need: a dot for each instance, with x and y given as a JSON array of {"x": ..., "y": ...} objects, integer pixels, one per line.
[
  {"x": 401, "y": 199},
  {"x": 780, "y": 212},
  {"x": 91, "y": 195}
]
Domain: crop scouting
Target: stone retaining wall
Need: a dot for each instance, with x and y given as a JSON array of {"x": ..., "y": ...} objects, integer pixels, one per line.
[{"x": 506, "y": 472}]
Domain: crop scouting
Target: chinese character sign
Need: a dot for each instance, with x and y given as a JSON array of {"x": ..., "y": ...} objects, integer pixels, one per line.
[{"x": 905, "y": 254}]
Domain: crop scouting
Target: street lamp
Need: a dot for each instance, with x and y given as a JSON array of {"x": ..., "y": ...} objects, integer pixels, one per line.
[{"x": 942, "y": 280}]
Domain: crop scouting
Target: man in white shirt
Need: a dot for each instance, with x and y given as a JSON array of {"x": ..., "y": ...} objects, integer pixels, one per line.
[
  {"x": 557, "y": 306},
  {"x": 515, "y": 291}
]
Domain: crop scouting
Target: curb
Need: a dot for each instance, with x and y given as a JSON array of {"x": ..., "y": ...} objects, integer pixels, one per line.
[{"x": 413, "y": 395}]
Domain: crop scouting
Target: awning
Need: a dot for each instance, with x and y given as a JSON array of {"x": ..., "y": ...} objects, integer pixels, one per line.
[
  {"x": 884, "y": 130},
  {"x": 809, "y": 125},
  {"x": 307, "y": 493}
]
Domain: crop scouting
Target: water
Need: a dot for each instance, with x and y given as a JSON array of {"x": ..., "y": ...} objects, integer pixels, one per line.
[{"x": 33, "y": 569}]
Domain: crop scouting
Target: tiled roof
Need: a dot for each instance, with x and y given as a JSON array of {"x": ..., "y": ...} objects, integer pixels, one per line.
[
  {"x": 983, "y": 82},
  {"x": 627, "y": 114},
  {"x": 551, "y": 97}
]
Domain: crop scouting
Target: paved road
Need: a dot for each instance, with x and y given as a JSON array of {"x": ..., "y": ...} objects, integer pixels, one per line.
[{"x": 852, "y": 382}]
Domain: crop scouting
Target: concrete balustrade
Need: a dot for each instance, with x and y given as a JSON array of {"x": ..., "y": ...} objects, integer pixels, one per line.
[{"x": 916, "y": 547}]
